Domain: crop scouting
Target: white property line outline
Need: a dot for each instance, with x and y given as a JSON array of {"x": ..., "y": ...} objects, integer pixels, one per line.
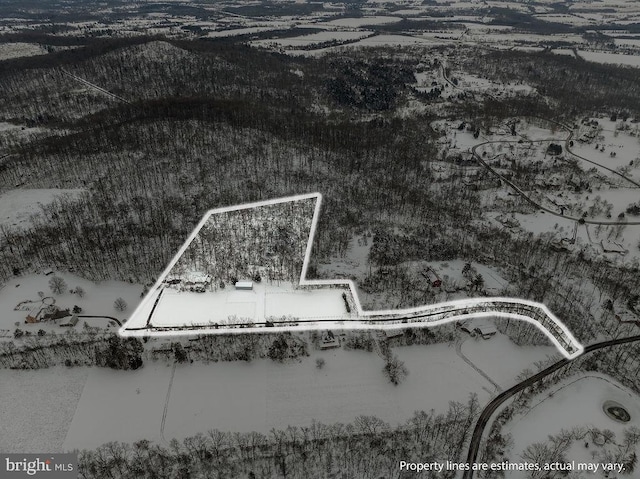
[{"x": 450, "y": 311}]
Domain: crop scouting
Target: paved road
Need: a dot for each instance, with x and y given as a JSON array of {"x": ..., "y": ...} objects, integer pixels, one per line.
[
  {"x": 531, "y": 200},
  {"x": 493, "y": 406},
  {"x": 81, "y": 316}
]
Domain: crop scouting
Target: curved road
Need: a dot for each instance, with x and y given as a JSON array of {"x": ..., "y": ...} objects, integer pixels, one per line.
[
  {"x": 492, "y": 407},
  {"x": 101, "y": 317},
  {"x": 566, "y": 146},
  {"x": 532, "y": 201}
]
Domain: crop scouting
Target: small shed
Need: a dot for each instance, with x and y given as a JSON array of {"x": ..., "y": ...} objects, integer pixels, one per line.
[
  {"x": 244, "y": 285},
  {"x": 393, "y": 333},
  {"x": 69, "y": 322},
  {"x": 196, "y": 281},
  {"x": 613, "y": 247},
  {"x": 329, "y": 341}
]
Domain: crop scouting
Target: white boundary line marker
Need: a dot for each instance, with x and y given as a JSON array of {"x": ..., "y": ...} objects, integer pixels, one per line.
[{"x": 451, "y": 311}]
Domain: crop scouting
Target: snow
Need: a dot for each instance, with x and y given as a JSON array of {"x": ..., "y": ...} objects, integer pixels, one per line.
[
  {"x": 628, "y": 42},
  {"x": 611, "y": 58},
  {"x": 354, "y": 262},
  {"x": 539, "y": 223},
  {"x": 489, "y": 355},
  {"x": 17, "y": 206},
  {"x": 178, "y": 308},
  {"x": 625, "y": 145},
  {"x": 304, "y": 304},
  {"x": 400, "y": 40},
  {"x": 241, "y": 31},
  {"x": 358, "y": 22},
  {"x": 98, "y": 299},
  {"x": 574, "y": 20},
  {"x": 314, "y": 39},
  {"x": 575, "y": 402},
  {"x": 16, "y": 50},
  {"x": 261, "y": 395},
  {"x": 119, "y": 405},
  {"x": 493, "y": 281},
  {"x": 37, "y": 407}
]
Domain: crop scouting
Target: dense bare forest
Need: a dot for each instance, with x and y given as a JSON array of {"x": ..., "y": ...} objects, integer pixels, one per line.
[{"x": 187, "y": 126}]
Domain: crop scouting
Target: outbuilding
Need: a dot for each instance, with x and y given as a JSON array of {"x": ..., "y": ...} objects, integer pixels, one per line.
[
  {"x": 485, "y": 330},
  {"x": 70, "y": 322},
  {"x": 244, "y": 285}
]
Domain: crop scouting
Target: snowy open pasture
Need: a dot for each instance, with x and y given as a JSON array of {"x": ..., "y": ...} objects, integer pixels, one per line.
[
  {"x": 119, "y": 406},
  {"x": 258, "y": 396},
  {"x": 311, "y": 40},
  {"x": 610, "y": 58},
  {"x": 20, "y": 49},
  {"x": 37, "y": 407},
  {"x": 489, "y": 355},
  {"x": 360, "y": 21}
]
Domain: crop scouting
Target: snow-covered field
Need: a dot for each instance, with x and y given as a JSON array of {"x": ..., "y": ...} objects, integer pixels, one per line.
[
  {"x": 360, "y": 21},
  {"x": 119, "y": 406},
  {"x": 575, "y": 402},
  {"x": 489, "y": 355},
  {"x": 178, "y": 308},
  {"x": 394, "y": 40},
  {"x": 16, "y": 50},
  {"x": 17, "y": 206},
  {"x": 37, "y": 407},
  {"x": 314, "y": 39},
  {"x": 306, "y": 303},
  {"x": 262, "y": 394},
  {"x": 611, "y": 58}
]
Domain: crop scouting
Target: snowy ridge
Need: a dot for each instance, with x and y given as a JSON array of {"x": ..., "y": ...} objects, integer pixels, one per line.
[{"x": 428, "y": 315}]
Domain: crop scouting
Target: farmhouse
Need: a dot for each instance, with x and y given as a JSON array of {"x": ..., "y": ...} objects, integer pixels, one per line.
[
  {"x": 431, "y": 276},
  {"x": 613, "y": 247},
  {"x": 478, "y": 328},
  {"x": 196, "y": 281},
  {"x": 485, "y": 330}
]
